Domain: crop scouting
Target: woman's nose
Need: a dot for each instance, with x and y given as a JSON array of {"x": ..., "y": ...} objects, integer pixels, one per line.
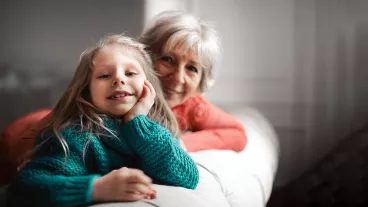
[{"x": 179, "y": 76}]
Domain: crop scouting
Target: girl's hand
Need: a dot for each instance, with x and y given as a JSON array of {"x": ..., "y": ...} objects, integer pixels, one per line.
[
  {"x": 124, "y": 184},
  {"x": 144, "y": 104}
]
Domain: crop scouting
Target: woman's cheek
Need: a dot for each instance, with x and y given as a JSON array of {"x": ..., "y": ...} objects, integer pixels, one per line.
[{"x": 163, "y": 68}]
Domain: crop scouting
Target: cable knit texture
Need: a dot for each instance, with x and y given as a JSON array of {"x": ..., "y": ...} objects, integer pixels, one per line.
[
  {"x": 47, "y": 180},
  {"x": 211, "y": 127}
]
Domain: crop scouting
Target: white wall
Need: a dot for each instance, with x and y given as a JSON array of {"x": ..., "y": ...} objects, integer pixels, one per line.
[
  {"x": 259, "y": 58},
  {"x": 153, "y": 7},
  {"x": 301, "y": 63}
]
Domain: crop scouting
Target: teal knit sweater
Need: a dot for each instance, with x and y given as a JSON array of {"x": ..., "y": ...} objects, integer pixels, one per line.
[{"x": 48, "y": 181}]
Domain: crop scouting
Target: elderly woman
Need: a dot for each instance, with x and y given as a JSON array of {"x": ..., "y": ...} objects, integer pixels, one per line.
[{"x": 185, "y": 51}]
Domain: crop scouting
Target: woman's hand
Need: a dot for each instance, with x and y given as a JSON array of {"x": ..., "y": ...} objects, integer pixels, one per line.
[
  {"x": 181, "y": 141},
  {"x": 183, "y": 145},
  {"x": 124, "y": 184},
  {"x": 144, "y": 104}
]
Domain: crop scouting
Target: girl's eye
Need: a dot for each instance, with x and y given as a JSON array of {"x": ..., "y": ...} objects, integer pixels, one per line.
[
  {"x": 167, "y": 59},
  {"x": 192, "y": 68},
  {"x": 104, "y": 76},
  {"x": 131, "y": 74}
]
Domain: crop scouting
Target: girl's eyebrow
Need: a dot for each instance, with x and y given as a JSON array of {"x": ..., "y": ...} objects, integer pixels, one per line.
[
  {"x": 126, "y": 65},
  {"x": 133, "y": 65},
  {"x": 102, "y": 67}
]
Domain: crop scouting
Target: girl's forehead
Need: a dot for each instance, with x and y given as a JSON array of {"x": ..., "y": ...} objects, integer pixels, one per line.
[
  {"x": 117, "y": 54},
  {"x": 112, "y": 50}
]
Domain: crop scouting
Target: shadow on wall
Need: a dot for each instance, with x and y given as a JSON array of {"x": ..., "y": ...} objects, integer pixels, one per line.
[
  {"x": 26, "y": 89},
  {"x": 360, "y": 68},
  {"x": 343, "y": 88},
  {"x": 351, "y": 102},
  {"x": 338, "y": 178}
]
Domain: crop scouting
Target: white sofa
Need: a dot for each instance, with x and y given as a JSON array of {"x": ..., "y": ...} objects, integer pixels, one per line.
[{"x": 239, "y": 179}]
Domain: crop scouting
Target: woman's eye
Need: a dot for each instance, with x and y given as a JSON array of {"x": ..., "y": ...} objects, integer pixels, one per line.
[
  {"x": 167, "y": 59},
  {"x": 131, "y": 74},
  {"x": 104, "y": 76},
  {"x": 192, "y": 68}
]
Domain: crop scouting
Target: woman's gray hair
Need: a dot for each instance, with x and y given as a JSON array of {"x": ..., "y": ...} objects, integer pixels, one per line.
[{"x": 169, "y": 29}]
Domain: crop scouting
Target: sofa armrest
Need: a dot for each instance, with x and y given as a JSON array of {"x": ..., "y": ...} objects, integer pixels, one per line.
[{"x": 261, "y": 155}]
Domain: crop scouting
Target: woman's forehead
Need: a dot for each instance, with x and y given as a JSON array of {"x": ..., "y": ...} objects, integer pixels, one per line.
[
  {"x": 183, "y": 51},
  {"x": 186, "y": 52}
]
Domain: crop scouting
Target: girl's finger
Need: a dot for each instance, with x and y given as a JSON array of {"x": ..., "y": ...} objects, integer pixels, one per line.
[
  {"x": 144, "y": 92},
  {"x": 152, "y": 89},
  {"x": 139, "y": 188},
  {"x": 153, "y": 196},
  {"x": 154, "y": 192},
  {"x": 129, "y": 196}
]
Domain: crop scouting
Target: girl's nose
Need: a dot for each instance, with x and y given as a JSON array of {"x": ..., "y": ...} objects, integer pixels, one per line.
[{"x": 115, "y": 82}]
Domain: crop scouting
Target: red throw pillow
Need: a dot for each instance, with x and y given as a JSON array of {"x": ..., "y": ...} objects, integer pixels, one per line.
[{"x": 16, "y": 140}]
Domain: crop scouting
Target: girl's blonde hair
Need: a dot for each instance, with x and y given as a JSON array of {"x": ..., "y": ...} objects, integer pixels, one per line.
[
  {"x": 170, "y": 29},
  {"x": 75, "y": 104}
]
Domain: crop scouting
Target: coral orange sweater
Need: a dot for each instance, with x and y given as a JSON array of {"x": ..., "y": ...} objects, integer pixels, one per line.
[{"x": 211, "y": 127}]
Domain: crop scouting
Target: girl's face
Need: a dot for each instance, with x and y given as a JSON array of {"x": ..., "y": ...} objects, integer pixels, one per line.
[
  {"x": 117, "y": 80},
  {"x": 180, "y": 73}
]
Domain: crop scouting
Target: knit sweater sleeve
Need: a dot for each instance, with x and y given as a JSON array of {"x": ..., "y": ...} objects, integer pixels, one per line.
[
  {"x": 162, "y": 157},
  {"x": 49, "y": 180},
  {"x": 212, "y": 128}
]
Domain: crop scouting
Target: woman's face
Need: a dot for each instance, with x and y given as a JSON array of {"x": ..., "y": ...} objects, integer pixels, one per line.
[{"x": 180, "y": 73}]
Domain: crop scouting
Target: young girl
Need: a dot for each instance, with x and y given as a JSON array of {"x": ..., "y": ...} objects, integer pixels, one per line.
[{"x": 112, "y": 117}]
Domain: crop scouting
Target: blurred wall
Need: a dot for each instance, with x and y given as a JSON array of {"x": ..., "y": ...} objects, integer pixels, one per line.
[
  {"x": 41, "y": 42},
  {"x": 301, "y": 63}
]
